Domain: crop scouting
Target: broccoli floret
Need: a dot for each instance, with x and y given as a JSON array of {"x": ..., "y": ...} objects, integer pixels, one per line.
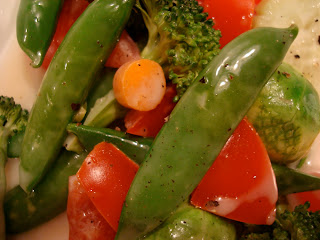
[
  {"x": 299, "y": 224},
  {"x": 13, "y": 120},
  {"x": 181, "y": 39}
]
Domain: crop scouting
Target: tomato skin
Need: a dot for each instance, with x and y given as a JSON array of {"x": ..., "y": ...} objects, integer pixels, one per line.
[
  {"x": 313, "y": 197},
  {"x": 85, "y": 222},
  {"x": 106, "y": 175},
  {"x": 240, "y": 184},
  {"x": 125, "y": 51},
  {"x": 70, "y": 12},
  {"x": 231, "y": 17},
  {"x": 149, "y": 123}
]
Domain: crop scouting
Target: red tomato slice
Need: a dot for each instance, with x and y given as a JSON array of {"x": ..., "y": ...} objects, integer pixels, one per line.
[
  {"x": 85, "y": 222},
  {"x": 240, "y": 185},
  {"x": 313, "y": 197},
  {"x": 231, "y": 17},
  {"x": 126, "y": 49},
  {"x": 300, "y": 198},
  {"x": 106, "y": 175},
  {"x": 70, "y": 12},
  {"x": 149, "y": 123}
]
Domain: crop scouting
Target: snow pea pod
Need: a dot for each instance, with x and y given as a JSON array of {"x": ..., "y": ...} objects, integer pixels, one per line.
[
  {"x": 36, "y": 24},
  {"x": 133, "y": 146},
  {"x": 24, "y": 211},
  {"x": 64, "y": 88},
  {"x": 288, "y": 180},
  {"x": 199, "y": 126}
]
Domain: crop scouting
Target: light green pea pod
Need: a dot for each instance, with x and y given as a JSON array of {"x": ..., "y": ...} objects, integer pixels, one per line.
[
  {"x": 286, "y": 115},
  {"x": 192, "y": 223}
]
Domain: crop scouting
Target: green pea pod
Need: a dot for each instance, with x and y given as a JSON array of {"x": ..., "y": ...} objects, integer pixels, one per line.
[
  {"x": 135, "y": 147},
  {"x": 49, "y": 198},
  {"x": 199, "y": 126},
  {"x": 292, "y": 181},
  {"x": 288, "y": 180},
  {"x": 189, "y": 222},
  {"x": 36, "y": 24},
  {"x": 65, "y": 86}
]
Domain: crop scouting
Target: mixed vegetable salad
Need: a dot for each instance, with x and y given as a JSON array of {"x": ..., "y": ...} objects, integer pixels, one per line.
[{"x": 162, "y": 119}]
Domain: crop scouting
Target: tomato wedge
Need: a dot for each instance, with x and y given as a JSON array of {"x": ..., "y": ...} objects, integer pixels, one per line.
[
  {"x": 70, "y": 12},
  {"x": 149, "y": 123},
  {"x": 106, "y": 175},
  {"x": 126, "y": 49},
  {"x": 231, "y": 17},
  {"x": 241, "y": 184},
  {"x": 313, "y": 197},
  {"x": 85, "y": 222}
]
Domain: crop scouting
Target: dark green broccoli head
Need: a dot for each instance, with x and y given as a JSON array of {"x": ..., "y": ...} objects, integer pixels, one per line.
[
  {"x": 299, "y": 224},
  {"x": 13, "y": 119},
  {"x": 181, "y": 39}
]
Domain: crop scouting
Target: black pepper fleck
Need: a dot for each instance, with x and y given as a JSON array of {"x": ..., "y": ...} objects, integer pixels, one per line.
[
  {"x": 297, "y": 56},
  {"x": 202, "y": 80},
  {"x": 75, "y": 106}
]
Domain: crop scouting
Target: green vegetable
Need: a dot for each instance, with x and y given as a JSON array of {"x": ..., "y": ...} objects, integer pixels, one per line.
[
  {"x": 36, "y": 24},
  {"x": 287, "y": 115},
  {"x": 15, "y": 144},
  {"x": 13, "y": 120},
  {"x": 101, "y": 86},
  {"x": 292, "y": 181},
  {"x": 134, "y": 147},
  {"x": 186, "y": 146},
  {"x": 299, "y": 224},
  {"x": 288, "y": 180},
  {"x": 181, "y": 39},
  {"x": 67, "y": 81},
  {"x": 25, "y": 211},
  {"x": 105, "y": 110},
  {"x": 192, "y": 223}
]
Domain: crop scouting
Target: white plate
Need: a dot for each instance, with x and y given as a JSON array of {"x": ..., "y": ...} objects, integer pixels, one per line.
[{"x": 19, "y": 80}]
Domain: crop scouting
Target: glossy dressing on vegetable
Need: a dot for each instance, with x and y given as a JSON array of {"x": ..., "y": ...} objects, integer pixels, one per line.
[{"x": 15, "y": 67}]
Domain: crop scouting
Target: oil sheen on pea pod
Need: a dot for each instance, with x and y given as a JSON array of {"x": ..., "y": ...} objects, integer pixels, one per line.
[
  {"x": 286, "y": 115},
  {"x": 193, "y": 223},
  {"x": 36, "y": 24},
  {"x": 199, "y": 126},
  {"x": 67, "y": 81}
]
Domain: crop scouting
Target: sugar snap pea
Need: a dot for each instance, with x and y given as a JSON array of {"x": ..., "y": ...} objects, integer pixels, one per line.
[
  {"x": 199, "y": 126},
  {"x": 66, "y": 83},
  {"x": 36, "y": 24},
  {"x": 49, "y": 198},
  {"x": 288, "y": 180},
  {"x": 133, "y": 146}
]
